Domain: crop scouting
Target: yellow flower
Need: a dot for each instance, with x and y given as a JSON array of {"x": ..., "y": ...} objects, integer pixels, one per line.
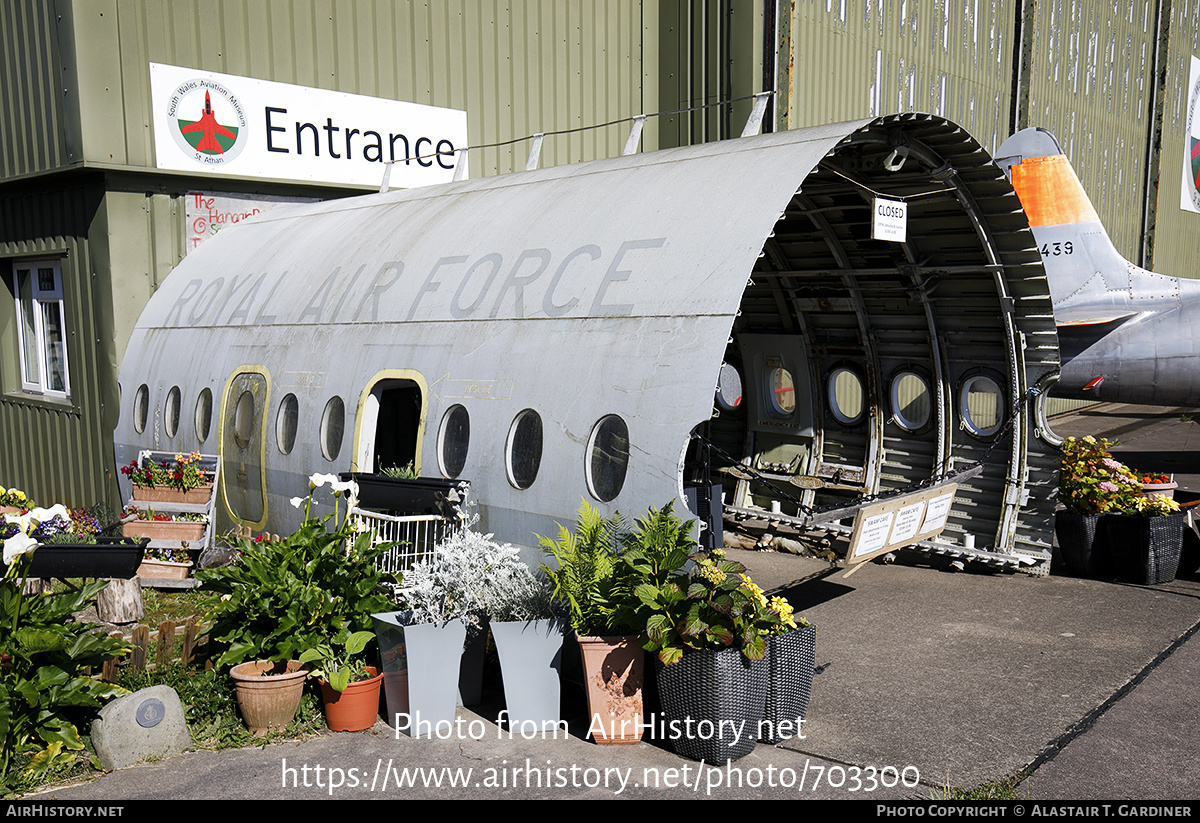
[
  {"x": 784, "y": 610},
  {"x": 711, "y": 573},
  {"x": 754, "y": 590}
]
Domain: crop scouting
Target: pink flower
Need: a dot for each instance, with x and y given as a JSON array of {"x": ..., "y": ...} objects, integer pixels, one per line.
[
  {"x": 1112, "y": 464},
  {"x": 1108, "y": 487}
]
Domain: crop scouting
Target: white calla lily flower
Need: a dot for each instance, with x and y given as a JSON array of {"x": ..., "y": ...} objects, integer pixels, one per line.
[
  {"x": 297, "y": 502},
  {"x": 321, "y": 479},
  {"x": 17, "y": 545}
]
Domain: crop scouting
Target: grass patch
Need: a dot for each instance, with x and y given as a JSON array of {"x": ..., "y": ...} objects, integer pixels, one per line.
[
  {"x": 1005, "y": 789},
  {"x": 173, "y": 604},
  {"x": 210, "y": 705}
]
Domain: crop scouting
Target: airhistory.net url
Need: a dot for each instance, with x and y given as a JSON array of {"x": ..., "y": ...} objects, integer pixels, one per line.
[{"x": 386, "y": 775}]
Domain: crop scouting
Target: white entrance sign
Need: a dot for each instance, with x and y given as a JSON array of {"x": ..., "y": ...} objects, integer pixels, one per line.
[
  {"x": 222, "y": 125},
  {"x": 889, "y": 220},
  {"x": 900, "y": 521}
]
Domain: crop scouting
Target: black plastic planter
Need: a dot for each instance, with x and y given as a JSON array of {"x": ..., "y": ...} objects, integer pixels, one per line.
[
  {"x": 109, "y": 557},
  {"x": 420, "y": 495}
]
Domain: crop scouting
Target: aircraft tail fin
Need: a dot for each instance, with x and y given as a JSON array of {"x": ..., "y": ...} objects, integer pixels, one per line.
[
  {"x": 1045, "y": 180},
  {"x": 1090, "y": 281}
]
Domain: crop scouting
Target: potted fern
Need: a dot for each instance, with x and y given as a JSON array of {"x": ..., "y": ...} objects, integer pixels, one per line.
[{"x": 603, "y": 569}]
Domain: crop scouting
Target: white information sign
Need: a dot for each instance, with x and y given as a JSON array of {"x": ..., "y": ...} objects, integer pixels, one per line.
[
  {"x": 908, "y": 519},
  {"x": 875, "y": 531},
  {"x": 900, "y": 521},
  {"x": 935, "y": 515},
  {"x": 223, "y": 125},
  {"x": 889, "y": 220}
]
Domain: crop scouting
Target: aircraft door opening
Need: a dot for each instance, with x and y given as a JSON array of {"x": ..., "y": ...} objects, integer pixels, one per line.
[
  {"x": 242, "y": 441},
  {"x": 390, "y": 426}
]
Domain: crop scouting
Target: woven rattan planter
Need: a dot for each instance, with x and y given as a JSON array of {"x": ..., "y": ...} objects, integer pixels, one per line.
[
  {"x": 791, "y": 661},
  {"x": 1082, "y": 545},
  {"x": 712, "y": 702},
  {"x": 1145, "y": 550}
]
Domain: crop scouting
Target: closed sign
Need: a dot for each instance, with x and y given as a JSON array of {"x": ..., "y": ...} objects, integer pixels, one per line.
[{"x": 889, "y": 220}]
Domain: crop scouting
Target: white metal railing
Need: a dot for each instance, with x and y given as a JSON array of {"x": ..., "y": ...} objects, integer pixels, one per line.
[{"x": 416, "y": 536}]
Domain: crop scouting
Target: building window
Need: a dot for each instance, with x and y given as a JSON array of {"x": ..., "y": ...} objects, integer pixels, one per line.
[{"x": 41, "y": 333}]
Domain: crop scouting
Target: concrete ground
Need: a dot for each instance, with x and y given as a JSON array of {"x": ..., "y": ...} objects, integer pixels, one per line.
[{"x": 926, "y": 678}]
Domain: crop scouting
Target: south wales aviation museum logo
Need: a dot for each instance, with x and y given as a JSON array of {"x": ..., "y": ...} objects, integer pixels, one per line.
[{"x": 207, "y": 122}]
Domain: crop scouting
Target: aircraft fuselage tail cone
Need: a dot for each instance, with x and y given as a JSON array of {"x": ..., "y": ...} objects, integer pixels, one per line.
[{"x": 1125, "y": 334}]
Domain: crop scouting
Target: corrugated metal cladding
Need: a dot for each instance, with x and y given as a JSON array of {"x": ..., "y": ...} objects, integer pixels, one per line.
[
  {"x": 1175, "y": 241},
  {"x": 60, "y": 451},
  {"x": 858, "y": 58},
  {"x": 1090, "y": 74},
  {"x": 709, "y": 52},
  {"x": 1080, "y": 68},
  {"x": 31, "y": 102},
  {"x": 516, "y": 67}
]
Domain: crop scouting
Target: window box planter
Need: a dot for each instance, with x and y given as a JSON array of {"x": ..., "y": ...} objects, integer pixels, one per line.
[
  {"x": 109, "y": 557},
  {"x": 184, "y": 530},
  {"x": 163, "y": 570},
  {"x": 420, "y": 495},
  {"x": 161, "y": 494}
]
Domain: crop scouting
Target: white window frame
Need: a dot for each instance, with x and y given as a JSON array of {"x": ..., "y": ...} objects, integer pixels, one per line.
[{"x": 43, "y": 300}]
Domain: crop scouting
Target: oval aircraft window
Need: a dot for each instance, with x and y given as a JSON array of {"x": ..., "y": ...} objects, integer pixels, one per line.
[
  {"x": 285, "y": 423},
  {"x": 171, "y": 413},
  {"x": 524, "y": 452},
  {"x": 981, "y": 406},
  {"x": 203, "y": 414},
  {"x": 141, "y": 405},
  {"x": 783, "y": 392},
  {"x": 243, "y": 420},
  {"x": 333, "y": 425},
  {"x": 845, "y": 396},
  {"x": 729, "y": 388},
  {"x": 608, "y": 458},
  {"x": 910, "y": 401},
  {"x": 453, "y": 439}
]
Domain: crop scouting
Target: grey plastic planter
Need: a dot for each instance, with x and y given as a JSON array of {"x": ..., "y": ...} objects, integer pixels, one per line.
[
  {"x": 530, "y": 662},
  {"x": 420, "y": 671}
]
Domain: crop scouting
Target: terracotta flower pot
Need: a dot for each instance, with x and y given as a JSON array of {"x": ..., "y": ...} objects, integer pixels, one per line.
[
  {"x": 356, "y": 707},
  {"x": 614, "y": 668},
  {"x": 269, "y": 693}
]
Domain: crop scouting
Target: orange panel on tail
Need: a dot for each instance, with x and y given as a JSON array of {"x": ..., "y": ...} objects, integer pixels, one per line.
[{"x": 1051, "y": 193}]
